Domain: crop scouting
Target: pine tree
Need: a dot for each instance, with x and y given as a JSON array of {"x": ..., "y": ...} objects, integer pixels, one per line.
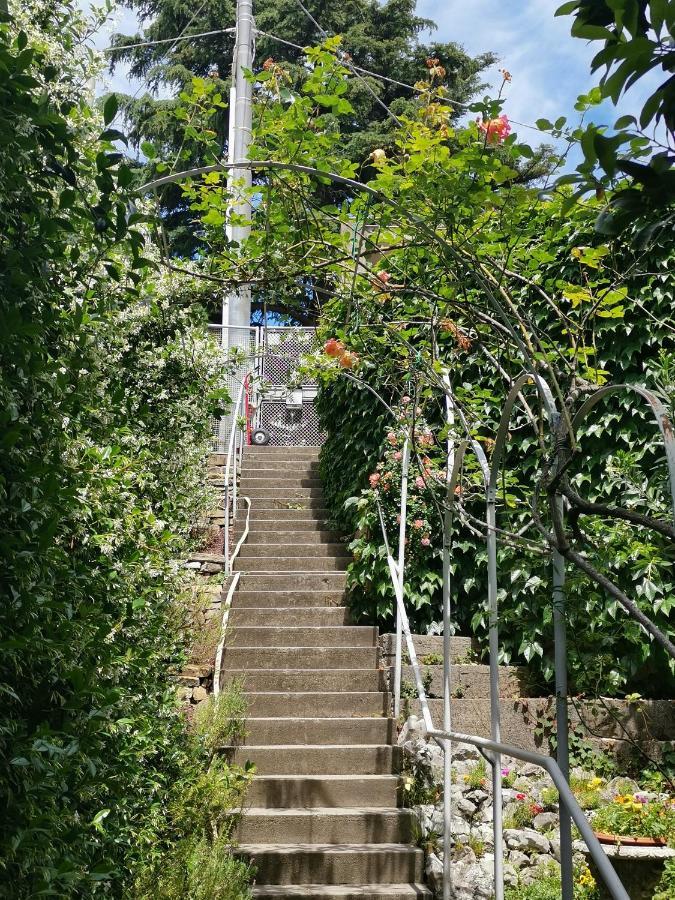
[{"x": 382, "y": 37}]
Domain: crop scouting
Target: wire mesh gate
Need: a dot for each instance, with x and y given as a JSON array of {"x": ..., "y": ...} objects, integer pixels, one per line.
[{"x": 278, "y": 399}]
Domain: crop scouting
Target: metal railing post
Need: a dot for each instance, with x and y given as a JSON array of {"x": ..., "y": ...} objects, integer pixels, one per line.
[
  {"x": 398, "y": 662},
  {"x": 561, "y": 715},
  {"x": 447, "y": 654},
  {"x": 495, "y": 723},
  {"x": 447, "y": 694}
]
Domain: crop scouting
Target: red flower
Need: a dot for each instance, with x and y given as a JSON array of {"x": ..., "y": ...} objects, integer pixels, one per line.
[
  {"x": 520, "y": 796},
  {"x": 348, "y": 360},
  {"x": 497, "y": 130},
  {"x": 333, "y": 347}
]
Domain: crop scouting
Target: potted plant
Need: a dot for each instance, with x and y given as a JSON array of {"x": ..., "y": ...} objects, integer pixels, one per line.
[{"x": 635, "y": 820}]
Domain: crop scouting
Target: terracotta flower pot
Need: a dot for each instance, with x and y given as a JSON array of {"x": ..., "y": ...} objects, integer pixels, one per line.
[{"x": 628, "y": 841}]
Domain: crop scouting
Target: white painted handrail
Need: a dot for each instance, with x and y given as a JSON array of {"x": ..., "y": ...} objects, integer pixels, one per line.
[{"x": 230, "y": 499}]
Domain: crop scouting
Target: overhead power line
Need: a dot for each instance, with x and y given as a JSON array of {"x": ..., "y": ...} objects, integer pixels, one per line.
[
  {"x": 358, "y": 70},
  {"x": 171, "y": 40}
]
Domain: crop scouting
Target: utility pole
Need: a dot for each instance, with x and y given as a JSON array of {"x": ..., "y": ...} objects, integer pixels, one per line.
[{"x": 237, "y": 304}]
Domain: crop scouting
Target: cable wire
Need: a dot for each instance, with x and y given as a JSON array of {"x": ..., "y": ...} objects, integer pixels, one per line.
[{"x": 181, "y": 37}]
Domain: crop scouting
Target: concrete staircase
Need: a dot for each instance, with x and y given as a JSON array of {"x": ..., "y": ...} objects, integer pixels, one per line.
[{"x": 324, "y": 819}]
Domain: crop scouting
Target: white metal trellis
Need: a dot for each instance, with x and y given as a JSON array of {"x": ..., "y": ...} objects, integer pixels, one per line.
[{"x": 493, "y": 747}]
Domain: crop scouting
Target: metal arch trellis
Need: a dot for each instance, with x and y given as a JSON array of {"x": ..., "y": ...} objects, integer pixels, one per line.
[{"x": 491, "y": 748}]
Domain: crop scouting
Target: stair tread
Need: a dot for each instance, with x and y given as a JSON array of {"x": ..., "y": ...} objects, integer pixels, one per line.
[
  {"x": 317, "y": 719},
  {"x": 301, "y": 747},
  {"x": 328, "y": 848},
  {"x": 314, "y": 693},
  {"x": 341, "y": 890},
  {"x": 344, "y": 811},
  {"x": 323, "y": 776}
]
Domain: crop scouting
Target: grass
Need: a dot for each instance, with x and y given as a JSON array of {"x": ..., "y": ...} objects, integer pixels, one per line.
[{"x": 220, "y": 721}]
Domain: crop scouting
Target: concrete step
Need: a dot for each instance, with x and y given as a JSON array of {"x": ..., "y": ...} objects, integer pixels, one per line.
[
  {"x": 292, "y": 616},
  {"x": 298, "y": 548},
  {"x": 290, "y": 494},
  {"x": 282, "y": 480},
  {"x": 319, "y": 704},
  {"x": 327, "y": 825},
  {"x": 306, "y": 791},
  {"x": 300, "y": 658},
  {"x": 270, "y": 535},
  {"x": 279, "y": 510},
  {"x": 331, "y": 637},
  {"x": 426, "y": 646},
  {"x": 285, "y": 506},
  {"x": 274, "y": 564},
  {"x": 300, "y": 599},
  {"x": 291, "y": 451},
  {"x": 301, "y": 680},
  {"x": 267, "y": 522},
  {"x": 319, "y": 760},
  {"x": 472, "y": 681},
  {"x": 326, "y": 581},
  {"x": 342, "y": 891},
  {"x": 330, "y": 864},
  {"x": 302, "y": 468},
  {"x": 270, "y": 731}
]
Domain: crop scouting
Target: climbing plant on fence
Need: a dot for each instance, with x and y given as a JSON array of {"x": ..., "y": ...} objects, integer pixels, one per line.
[
  {"x": 106, "y": 388},
  {"x": 464, "y": 272}
]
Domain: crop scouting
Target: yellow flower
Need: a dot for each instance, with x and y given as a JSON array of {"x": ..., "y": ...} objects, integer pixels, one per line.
[{"x": 595, "y": 782}]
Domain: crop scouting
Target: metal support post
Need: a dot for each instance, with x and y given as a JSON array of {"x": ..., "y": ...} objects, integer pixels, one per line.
[
  {"x": 561, "y": 714},
  {"x": 447, "y": 655},
  {"x": 237, "y": 305},
  {"x": 447, "y": 693},
  {"x": 400, "y": 573},
  {"x": 495, "y": 725}
]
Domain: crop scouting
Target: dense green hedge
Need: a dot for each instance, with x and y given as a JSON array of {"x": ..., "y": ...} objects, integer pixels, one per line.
[{"x": 105, "y": 394}]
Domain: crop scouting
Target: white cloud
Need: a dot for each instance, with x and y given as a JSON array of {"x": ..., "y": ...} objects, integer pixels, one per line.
[{"x": 550, "y": 68}]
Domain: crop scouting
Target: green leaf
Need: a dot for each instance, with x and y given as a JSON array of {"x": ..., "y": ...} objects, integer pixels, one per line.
[
  {"x": 567, "y": 8},
  {"x": 110, "y": 108}
]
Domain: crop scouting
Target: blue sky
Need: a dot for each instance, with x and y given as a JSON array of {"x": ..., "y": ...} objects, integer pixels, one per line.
[{"x": 549, "y": 67}]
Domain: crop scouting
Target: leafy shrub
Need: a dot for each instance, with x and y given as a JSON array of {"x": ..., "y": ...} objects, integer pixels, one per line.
[
  {"x": 220, "y": 721},
  {"x": 547, "y": 886},
  {"x": 665, "y": 889},
  {"x": 106, "y": 390}
]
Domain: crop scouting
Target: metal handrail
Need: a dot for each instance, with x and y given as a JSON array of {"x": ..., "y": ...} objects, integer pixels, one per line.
[
  {"x": 566, "y": 797},
  {"x": 232, "y": 452}
]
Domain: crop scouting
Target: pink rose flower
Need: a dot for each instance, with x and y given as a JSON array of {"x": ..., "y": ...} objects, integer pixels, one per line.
[
  {"x": 374, "y": 479},
  {"x": 426, "y": 542},
  {"x": 497, "y": 130},
  {"x": 420, "y": 483},
  {"x": 393, "y": 440},
  {"x": 418, "y": 523},
  {"x": 398, "y": 456}
]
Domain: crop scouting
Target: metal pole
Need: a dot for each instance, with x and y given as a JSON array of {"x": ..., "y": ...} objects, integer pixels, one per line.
[
  {"x": 447, "y": 661},
  {"x": 400, "y": 572},
  {"x": 495, "y": 725},
  {"x": 239, "y": 313},
  {"x": 561, "y": 715}
]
